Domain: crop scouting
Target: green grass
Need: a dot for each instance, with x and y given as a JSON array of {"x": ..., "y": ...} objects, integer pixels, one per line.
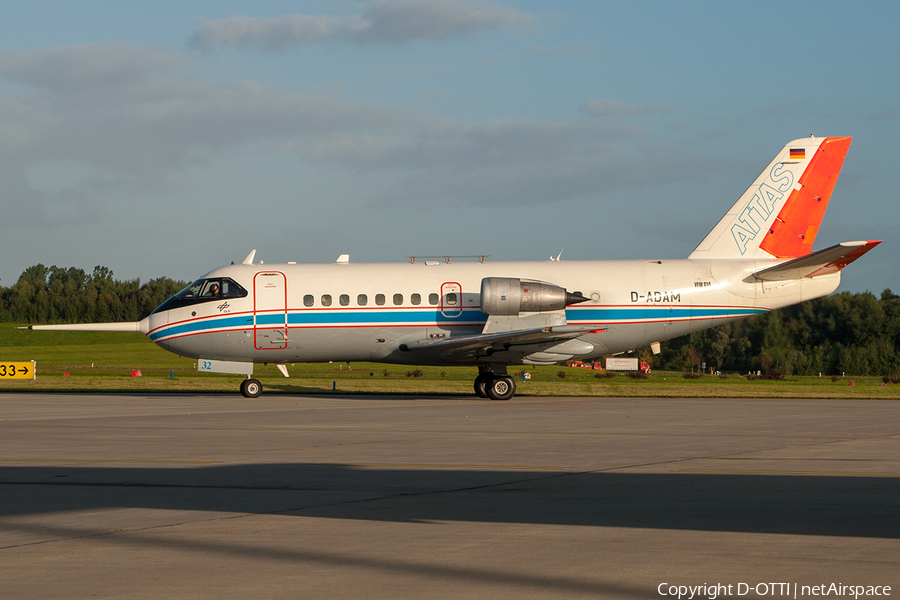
[{"x": 103, "y": 362}]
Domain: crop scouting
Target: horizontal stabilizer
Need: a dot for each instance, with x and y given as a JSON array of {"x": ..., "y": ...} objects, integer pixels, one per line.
[{"x": 824, "y": 262}]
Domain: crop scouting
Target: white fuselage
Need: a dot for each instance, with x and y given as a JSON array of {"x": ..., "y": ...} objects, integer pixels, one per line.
[{"x": 367, "y": 312}]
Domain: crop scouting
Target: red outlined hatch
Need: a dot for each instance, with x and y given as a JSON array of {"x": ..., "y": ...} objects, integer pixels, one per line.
[{"x": 270, "y": 310}]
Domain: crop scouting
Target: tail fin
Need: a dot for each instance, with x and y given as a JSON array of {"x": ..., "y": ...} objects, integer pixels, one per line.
[{"x": 779, "y": 215}]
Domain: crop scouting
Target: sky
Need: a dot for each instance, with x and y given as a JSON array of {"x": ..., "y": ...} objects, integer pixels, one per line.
[{"x": 170, "y": 138}]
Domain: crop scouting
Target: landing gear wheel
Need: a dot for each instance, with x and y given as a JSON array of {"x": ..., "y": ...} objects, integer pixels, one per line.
[
  {"x": 481, "y": 385},
  {"x": 251, "y": 388},
  {"x": 501, "y": 387}
]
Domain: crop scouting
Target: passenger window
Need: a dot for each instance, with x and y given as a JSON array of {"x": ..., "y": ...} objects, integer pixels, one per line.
[
  {"x": 452, "y": 299},
  {"x": 379, "y": 299},
  {"x": 398, "y": 299},
  {"x": 433, "y": 299},
  {"x": 362, "y": 299},
  {"x": 416, "y": 299},
  {"x": 326, "y": 299},
  {"x": 345, "y": 300},
  {"x": 308, "y": 300}
]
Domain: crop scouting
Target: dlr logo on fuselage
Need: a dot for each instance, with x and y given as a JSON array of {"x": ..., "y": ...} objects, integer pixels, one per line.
[{"x": 757, "y": 212}]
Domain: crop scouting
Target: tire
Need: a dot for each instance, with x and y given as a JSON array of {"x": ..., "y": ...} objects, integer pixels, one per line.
[
  {"x": 481, "y": 385},
  {"x": 251, "y": 388},
  {"x": 501, "y": 387}
]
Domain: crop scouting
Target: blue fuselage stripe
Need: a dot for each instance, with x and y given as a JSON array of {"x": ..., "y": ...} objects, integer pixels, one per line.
[
  {"x": 203, "y": 325},
  {"x": 434, "y": 318}
]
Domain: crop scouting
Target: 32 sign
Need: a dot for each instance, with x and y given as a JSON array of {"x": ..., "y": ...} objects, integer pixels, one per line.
[{"x": 17, "y": 370}]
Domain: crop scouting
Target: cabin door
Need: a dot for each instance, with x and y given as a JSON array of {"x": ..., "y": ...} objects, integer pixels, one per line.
[{"x": 270, "y": 310}]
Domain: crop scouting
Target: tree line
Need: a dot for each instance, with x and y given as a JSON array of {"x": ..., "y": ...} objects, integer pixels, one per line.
[
  {"x": 69, "y": 295},
  {"x": 852, "y": 334}
]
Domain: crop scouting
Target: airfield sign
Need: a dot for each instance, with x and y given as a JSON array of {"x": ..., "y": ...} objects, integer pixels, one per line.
[{"x": 17, "y": 370}]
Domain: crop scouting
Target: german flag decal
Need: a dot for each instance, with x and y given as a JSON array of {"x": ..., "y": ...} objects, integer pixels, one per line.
[{"x": 798, "y": 153}]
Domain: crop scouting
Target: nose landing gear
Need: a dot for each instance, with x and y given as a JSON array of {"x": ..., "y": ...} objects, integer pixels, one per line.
[{"x": 251, "y": 388}]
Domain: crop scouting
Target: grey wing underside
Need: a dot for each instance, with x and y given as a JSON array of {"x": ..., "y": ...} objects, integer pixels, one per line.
[{"x": 528, "y": 341}]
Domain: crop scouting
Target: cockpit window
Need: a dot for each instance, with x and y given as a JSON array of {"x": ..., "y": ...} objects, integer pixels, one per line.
[
  {"x": 204, "y": 290},
  {"x": 191, "y": 291},
  {"x": 210, "y": 289}
]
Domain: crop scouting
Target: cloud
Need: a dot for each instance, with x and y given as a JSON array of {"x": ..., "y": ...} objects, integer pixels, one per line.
[
  {"x": 138, "y": 113},
  {"x": 381, "y": 22},
  {"x": 612, "y": 108},
  {"x": 127, "y": 117},
  {"x": 396, "y": 21},
  {"x": 575, "y": 162},
  {"x": 276, "y": 33},
  {"x": 80, "y": 66}
]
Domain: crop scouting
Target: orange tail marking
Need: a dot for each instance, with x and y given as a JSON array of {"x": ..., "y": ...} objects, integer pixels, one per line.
[{"x": 794, "y": 231}]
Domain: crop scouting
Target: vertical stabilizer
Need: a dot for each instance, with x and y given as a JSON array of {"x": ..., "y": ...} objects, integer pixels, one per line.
[{"x": 779, "y": 215}]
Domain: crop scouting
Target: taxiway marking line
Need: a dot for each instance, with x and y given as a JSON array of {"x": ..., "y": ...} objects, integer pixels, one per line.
[
  {"x": 436, "y": 466},
  {"x": 93, "y": 461},
  {"x": 761, "y": 472}
]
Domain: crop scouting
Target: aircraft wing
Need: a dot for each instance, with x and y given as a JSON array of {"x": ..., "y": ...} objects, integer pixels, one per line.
[
  {"x": 466, "y": 345},
  {"x": 824, "y": 262}
]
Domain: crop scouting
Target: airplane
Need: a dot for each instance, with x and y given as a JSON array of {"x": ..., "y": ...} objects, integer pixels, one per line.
[{"x": 492, "y": 315}]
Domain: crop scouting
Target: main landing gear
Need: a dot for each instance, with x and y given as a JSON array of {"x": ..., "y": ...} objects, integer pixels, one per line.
[
  {"x": 251, "y": 388},
  {"x": 496, "y": 386}
]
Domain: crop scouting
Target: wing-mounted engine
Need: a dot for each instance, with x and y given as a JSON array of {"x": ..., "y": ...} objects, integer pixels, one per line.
[
  {"x": 526, "y": 325},
  {"x": 511, "y": 296},
  {"x": 516, "y": 304}
]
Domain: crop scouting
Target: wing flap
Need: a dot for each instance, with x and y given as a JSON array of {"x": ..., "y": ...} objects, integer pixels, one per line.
[
  {"x": 486, "y": 342},
  {"x": 824, "y": 262}
]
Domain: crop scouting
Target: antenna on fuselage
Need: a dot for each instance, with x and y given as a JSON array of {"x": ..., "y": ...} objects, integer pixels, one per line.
[{"x": 250, "y": 257}]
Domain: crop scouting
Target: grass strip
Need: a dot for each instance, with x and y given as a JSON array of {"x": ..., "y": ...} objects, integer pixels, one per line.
[{"x": 103, "y": 362}]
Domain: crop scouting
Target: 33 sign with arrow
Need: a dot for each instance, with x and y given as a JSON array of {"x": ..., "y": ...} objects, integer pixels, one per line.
[{"x": 18, "y": 370}]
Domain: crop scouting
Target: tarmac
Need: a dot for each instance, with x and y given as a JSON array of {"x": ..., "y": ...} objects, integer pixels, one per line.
[{"x": 217, "y": 496}]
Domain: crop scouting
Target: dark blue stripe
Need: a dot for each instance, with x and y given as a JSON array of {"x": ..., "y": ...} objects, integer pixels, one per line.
[
  {"x": 644, "y": 313},
  {"x": 426, "y": 318},
  {"x": 381, "y": 316},
  {"x": 203, "y": 325}
]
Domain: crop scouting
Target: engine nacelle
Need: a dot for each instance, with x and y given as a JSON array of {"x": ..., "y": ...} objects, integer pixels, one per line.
[{"x": 511, "y": 296}]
